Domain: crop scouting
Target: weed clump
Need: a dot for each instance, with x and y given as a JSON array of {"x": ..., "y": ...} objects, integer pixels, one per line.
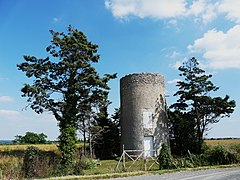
[{"x": 212, "y": 155}]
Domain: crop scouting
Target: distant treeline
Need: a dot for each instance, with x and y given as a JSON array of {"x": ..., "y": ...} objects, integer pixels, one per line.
[
  {"x": 12, "y": 142},
  {"x": 6, "y": 141}
]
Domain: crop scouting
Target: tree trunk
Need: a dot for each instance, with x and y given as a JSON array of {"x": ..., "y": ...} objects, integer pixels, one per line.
[
  {"x": 84, "y": 138},
  {"x": 90, "y": 145},
  {"x": 199, "y": 134}
]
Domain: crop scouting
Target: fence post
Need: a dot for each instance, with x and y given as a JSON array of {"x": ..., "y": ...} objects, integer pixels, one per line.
[
  {"x": 124, "y": 161},
  {"x": 145, "y": 164}
]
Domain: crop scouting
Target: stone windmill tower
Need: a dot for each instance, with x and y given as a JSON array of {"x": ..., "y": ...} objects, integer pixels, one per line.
[{"x": 143, "y": 112}]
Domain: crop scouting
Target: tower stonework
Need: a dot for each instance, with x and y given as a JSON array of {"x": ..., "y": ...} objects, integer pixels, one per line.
[{"x": 143, "y": 112}]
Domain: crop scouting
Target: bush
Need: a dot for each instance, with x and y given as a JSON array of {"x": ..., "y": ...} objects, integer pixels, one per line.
[
  {"x": 198, "y": 160},
  {"x": 216, "y": 155},
  {"x": 29, "y": 162},
  {"x": 37, "y": 163},
  {"x": 219, "y": 155},
  {"x": 165, "y": 159},
  {"x": 213, "y": 155},
  {"x": 88, "y": 163}
]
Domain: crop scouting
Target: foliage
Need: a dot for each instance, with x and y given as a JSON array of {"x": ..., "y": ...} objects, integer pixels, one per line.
[
  {"x": 115, "y": 132},
  {"x": 87, "y": 163},
  {"x": 182, "y": 163},
  {"x": 182, "y": 133},
  {"x": 29, "y": 162},
  {"x": 196, "y": 105},
  {"x": 68, "y": 86},
  {"x": 106, "y": 134},
  {"x": 165, "y": 159},
  {"x": 218, "y": 155},
  {"x": 30, "y": 138},
  {"x": 37, "y": 163},
  {"x": 215, "y": 155}
]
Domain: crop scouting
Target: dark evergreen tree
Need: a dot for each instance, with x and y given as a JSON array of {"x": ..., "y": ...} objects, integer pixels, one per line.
[
  {"x": 66, "y": 85},
  {"x": 182, "y": 133},
  {"x": 195, "y": 105},
  {"x": 106, "y": 134},
  {"x": 116, "y": 131}
]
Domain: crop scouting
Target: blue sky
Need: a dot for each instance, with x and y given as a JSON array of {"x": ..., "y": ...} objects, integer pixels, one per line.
[{"x": 133, "y": 36}]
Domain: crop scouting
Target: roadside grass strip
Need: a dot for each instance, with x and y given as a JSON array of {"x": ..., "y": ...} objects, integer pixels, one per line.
[{"x": 138, "y": 173}]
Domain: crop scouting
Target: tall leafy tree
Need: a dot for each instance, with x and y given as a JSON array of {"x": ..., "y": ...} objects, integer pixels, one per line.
[
  {"x": 195, "y": 101},
  {"x": 67, "y": 85}
]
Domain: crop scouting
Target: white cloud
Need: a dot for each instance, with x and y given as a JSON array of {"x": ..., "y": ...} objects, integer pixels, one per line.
[
  {"x": 46, "y": 116},
  {"x": 221, "y": 50},
  {"x": 158, "y": 9},
  {"x": 231, "y": 7},
  {"x": 210, "y": 13},
  {"x": 202, "y": 11},
  {"x": 199, "y": 10},
  {"x": 174, "y": 81},
  {"x": 6, "y": 99},
  {"x": 9, "y": 114}
]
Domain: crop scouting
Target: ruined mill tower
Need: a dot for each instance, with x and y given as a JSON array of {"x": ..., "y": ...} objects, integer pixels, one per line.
[{"x": 143, "y": 112}]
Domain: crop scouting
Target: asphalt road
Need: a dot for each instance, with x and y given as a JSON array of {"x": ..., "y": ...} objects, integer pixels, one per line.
[{"x": 210, "y": 174}]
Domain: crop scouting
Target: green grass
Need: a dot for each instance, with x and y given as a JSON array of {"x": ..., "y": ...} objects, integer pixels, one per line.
[
  {"x": 100, "y": 176},
  {"x": 11, "y": 159},
  {"x": 138, "y": 173},
  {"x": 108, "y": 166},
  {"x": 233, "y": 145}
]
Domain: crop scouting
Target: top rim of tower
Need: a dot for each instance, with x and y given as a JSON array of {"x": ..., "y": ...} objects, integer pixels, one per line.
[
  {"x": 143, "y": 74},
  {"x": 142, "y": 78}
]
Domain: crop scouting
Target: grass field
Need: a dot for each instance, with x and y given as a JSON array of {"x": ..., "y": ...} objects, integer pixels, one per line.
[
  {"x": 43, "y": 147},
  {"x": 11, "y": 159},
  {"x": 224, "y": 142},
  {"x": 23, "y": 147}
]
